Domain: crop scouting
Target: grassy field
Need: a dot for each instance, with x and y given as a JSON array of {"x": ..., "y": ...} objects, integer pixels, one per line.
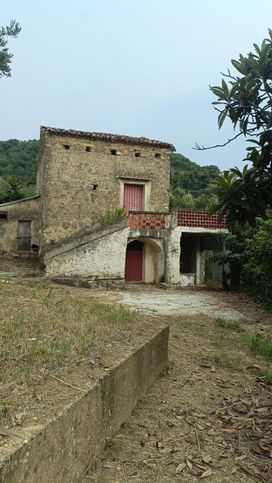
[
  {"x": 54, "y": 341},
  {"x": 44, "y": 326}
]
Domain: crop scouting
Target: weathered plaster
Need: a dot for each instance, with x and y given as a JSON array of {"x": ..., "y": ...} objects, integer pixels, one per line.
[
  {"x": 172, "y": 257},
  {"x": 103, "y": 257}
]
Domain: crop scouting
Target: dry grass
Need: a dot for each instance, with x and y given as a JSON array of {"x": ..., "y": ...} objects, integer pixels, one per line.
[
  {"x": 49, "y": 332},
  {"x": 210, "y": 413},
  {"x": 43, "y": 326}
]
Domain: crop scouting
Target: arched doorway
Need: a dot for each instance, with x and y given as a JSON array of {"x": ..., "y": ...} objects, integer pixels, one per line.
[
  {"x": 144, "y": 261},
  {"x": 134, "y": 262}
]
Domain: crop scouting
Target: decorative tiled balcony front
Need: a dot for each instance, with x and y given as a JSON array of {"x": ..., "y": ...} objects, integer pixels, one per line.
[
  {"x": 147, "y": 220},
  {"x": 196, "y": 219}
]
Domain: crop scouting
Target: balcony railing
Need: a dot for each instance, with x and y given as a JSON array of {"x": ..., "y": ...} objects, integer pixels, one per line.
[
  {"x": 148, "y": 220},
  {"x": 196, "y": 219}
]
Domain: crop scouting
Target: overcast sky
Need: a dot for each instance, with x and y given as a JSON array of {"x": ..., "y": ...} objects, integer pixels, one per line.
[{"x": 136, "y": 67}]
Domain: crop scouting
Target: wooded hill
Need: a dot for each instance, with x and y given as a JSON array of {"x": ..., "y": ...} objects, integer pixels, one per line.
[{"x": 190, "y": 183}]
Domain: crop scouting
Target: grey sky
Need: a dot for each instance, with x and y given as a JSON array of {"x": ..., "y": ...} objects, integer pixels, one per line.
[{"x": 132, "y": 67}]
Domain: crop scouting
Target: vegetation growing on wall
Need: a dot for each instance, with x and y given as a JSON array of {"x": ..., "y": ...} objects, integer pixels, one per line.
[{"x": 112, "y": 216}]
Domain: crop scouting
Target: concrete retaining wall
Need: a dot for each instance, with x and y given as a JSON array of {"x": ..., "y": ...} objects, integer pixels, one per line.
[
  {"x": 65, "y": 448},
  {"x": 21, "y": 263}
]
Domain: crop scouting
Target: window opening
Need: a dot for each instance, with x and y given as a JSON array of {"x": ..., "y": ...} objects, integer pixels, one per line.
[
  {"x": 137, "y": 155},
  {"x": 157, "y": 155},
  {"x": 3, "y": 215},
  {"x": 113, "y": 152},
  {"x": 95, "y": 187},
  {"x": 88, "y": 149},
  {"x": 66, "y": 146},
  {"x": 24, "y": 235}
]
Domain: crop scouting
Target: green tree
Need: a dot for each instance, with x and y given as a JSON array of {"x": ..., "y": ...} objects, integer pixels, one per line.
[
  {"x": 245, "y": 98},
  {"x": 19, "y": 158},
  {"x": 11, "y": 189},
  {"x": 190, "y": 183},
  {"x": 11, "y": 30},
  {"x": 256, "y": 272}
]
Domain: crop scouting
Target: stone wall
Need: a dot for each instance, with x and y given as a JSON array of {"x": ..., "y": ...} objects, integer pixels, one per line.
[
  {"x": 80, "y": 180},
  {"x": 100, "y": 253},
  {"x": 22, "y": 210}
]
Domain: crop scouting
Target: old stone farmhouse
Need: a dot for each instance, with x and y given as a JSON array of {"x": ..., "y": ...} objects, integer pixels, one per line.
[{"x": 75, "y": 226}]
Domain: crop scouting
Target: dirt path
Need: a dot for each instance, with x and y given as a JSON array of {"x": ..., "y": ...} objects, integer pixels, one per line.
[{"x": 209, "y": 417}]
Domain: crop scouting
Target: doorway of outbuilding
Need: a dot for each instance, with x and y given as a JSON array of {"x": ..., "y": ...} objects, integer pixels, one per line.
[
  {"x": 134, "y": 261},
  {"x": 144, "y": 261}
]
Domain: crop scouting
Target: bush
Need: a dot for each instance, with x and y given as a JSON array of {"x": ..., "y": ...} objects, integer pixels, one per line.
[{"x": 257, "y": 271}]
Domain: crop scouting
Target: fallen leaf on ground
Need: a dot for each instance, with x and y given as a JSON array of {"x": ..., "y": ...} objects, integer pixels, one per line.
[
  {"x": 180, "y": 468},
  {"x": 206, "y": 474},
  {"x": 229, "y": 430}
]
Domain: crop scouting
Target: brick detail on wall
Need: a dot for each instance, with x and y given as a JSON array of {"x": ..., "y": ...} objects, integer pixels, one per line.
[
  {"x": 194, "y": 218},
  {"x": 147, "y": 221}
]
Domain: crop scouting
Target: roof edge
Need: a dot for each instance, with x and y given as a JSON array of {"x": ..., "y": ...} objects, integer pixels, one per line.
[
  {"x": 111, "y": 138},
  {"x": 8, "y": 203}
]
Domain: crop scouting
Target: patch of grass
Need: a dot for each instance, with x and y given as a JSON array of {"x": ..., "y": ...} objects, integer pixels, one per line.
[
  {"x": 223, "y": 360},
  {"x": 45, "y": 328},
  {"x": 262, "y": 345},
  {"x": 223, "y": 324},
  {"x": 267, "y": 375}
]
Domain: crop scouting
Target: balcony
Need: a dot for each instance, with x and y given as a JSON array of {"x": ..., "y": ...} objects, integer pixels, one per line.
[
  {"x": 200, "y": 219},
  {"x": 150, "y": 220}
]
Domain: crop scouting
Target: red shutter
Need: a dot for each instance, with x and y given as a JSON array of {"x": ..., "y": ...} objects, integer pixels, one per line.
[
  {"x": 134, "y": 262},
  {"x": 133, "y": 197}
]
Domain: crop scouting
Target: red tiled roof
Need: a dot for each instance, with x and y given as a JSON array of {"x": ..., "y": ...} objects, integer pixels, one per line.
[{"x": 112, "y": 138}]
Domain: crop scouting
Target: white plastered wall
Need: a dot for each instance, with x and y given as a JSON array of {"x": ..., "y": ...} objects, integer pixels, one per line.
[
  {"x": 102, "y": 258},
  {"x": 172, "y": 271}
]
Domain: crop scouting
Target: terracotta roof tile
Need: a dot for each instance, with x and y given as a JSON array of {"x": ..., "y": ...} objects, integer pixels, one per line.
[{"x": 112, "y": 138}]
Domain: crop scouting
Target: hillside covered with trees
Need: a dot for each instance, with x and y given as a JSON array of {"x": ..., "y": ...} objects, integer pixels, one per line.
[{"x": 190, "y": 183}]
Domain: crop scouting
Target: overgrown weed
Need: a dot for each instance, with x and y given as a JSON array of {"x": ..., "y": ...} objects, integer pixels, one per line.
[
  {"x": 223, "y": 324},
  {"x": 262, "y": 345}
]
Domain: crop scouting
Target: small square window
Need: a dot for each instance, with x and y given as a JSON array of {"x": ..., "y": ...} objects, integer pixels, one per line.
[
  {"x": 94, "y": 187},
  {"x": 3, "y": 215},
  {"x": 137, "y": 155},
  {"x": 66, "y": 146},
  {"x": 157, "y": 155},
  {"x": 88, "y": 149},
  {"x": 113, "y": 152}
]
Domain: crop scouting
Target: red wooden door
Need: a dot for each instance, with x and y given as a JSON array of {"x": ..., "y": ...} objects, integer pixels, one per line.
[
  {"x": 133, "y": 197},
  {"x": 134, "y": 262}
]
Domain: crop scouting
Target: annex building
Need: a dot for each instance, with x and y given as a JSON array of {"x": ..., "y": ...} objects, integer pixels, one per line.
[{"x": 101, "y": 215}]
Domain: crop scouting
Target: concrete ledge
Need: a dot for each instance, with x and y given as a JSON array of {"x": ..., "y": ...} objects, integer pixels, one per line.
[
  {"x": 23, "y": 263},
  {"x": 106, "y": 284},
  {"x": 67, "y": 446}
]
